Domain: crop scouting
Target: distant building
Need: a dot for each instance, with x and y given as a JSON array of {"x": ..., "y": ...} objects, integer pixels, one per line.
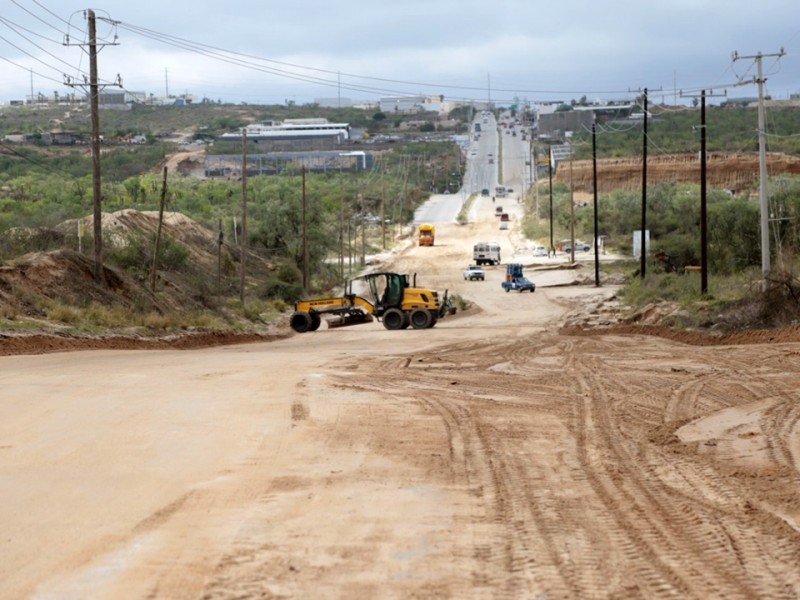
[
  {"x": 402, "y": 104},
  {"x": 294, "y": 135},
  {"x": 61, "y": 138}
]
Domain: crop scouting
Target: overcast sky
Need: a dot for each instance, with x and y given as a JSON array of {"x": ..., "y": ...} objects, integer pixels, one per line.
[{"x": 268, "y": 52}]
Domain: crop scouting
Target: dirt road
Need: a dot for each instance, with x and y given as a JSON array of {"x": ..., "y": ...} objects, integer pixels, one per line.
[{"x": 489, "y": 457}]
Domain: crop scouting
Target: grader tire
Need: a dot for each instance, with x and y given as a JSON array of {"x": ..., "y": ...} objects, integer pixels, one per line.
[
  {"x": 420, "y": 318},
  {"x": 301, "y": 322},
  {"x": 394, "y": 319}
]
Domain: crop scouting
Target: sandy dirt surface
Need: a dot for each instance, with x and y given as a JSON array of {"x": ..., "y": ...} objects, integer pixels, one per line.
[{"x": 497, "y": 455}]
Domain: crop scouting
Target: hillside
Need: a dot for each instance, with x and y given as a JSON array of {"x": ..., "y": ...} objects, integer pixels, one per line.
[
  {"x": 731, "y": 171},
  {"x": 55, "y": 291}
]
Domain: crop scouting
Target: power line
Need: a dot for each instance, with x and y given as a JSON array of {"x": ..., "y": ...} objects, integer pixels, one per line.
[{"x": 253, "y": 62}]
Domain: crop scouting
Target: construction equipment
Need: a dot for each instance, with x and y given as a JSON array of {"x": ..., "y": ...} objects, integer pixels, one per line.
[
  {"x": 388, "y": 297},
  {"x": 427, "y": 233}
]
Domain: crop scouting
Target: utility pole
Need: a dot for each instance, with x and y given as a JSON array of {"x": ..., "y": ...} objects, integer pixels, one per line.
[
  {"x": 594, "y": 187},
  {"x": 703, "y": 199},
  {"x": 305, "y": 228},
  {"x": 703, "y": 191},
  {"x": 571, "y": 213},
  {"x": 643, "y": 237},
  {"x": 383, "y": 203},
  {"x": 550, "y": 171},
  {"x": 94, "y": 103},
  {"x": 341, "y": 230},
  {"x": 243, "y": 247},
  {"x": 363, "y": 232},
  {"x": 157, "y": 249},
  {"x": 95, "y": 111},
  {"x": 762, "y": 164}
]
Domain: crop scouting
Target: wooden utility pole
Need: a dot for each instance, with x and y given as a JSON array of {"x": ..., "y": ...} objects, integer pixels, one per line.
[
  {"x": 703, "y": 201},
  {"x": 596, "y": 219},
  {"x": 571, "y": 212},
  {"x": 341, "y": 230},
  {"x": 383, "y": 205},
  {"x": 220, "y": 239},
  {"x": 94, "y": 103},
  {"x": 157, "y": 249},
  {"x": 243, "y": 246},
  {"x": 305, "y": 229},
  {"x": 363, "y": 232},
  {"x": 550, "y": 173},
  {"x": 643, "y": 236}
]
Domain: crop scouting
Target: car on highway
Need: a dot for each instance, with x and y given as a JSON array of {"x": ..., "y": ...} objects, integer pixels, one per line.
[
  {"x": 474, "y": 272},
  {"x": 485, "y": 192}
]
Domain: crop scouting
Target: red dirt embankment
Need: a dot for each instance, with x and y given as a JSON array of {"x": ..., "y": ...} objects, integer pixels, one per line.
[{"x": 732, "y": 171}]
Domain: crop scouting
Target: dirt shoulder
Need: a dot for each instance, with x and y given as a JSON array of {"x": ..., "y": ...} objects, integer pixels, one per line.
[{"x": 498, "y": 454}]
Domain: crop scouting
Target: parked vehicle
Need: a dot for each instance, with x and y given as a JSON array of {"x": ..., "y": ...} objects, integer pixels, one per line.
[
  {"x": 540, "y": 251},
  {"x": 474, "y": 272}
]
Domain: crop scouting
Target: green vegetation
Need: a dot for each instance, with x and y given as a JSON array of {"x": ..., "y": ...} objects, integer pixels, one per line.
[
  {"x": 728, "y": 129},
  {"x": 42, "y": 186},
  {"x": 673, "y": 218}
]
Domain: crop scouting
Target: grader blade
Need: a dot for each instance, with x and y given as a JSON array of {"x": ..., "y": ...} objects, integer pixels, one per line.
[{"x": 349, "y": 319}]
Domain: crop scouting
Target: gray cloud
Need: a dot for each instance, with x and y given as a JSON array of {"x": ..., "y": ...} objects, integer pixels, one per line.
[{"x": 535, "y": 50}]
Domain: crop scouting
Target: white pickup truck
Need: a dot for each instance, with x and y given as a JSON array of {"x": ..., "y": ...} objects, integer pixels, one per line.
[{"x": 473, "y": 272}]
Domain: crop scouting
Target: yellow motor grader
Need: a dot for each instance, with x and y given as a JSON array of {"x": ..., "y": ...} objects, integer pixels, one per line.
[{"x": 388, "y": 297}]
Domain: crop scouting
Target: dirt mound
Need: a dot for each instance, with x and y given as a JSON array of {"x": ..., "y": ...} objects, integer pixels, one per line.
[
  {"x": 118, "y": 226},
  {"x": 67, "y": 276},
  {"x": 37, "y": 284}
]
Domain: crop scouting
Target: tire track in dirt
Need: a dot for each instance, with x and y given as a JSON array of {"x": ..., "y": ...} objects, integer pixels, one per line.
[
  {"x": 668, "y": 523},
  {"x": 575, "y": 482}
]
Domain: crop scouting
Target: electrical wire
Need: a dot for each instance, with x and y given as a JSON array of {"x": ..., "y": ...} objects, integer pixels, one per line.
[
  {"x": 45, "y": 166},
  {"x": 8, "y": 24},
  {"x": 255, "y": 63}
]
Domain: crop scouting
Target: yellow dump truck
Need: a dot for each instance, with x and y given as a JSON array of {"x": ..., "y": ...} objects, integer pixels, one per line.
[{"x": 427, "y": 233}]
